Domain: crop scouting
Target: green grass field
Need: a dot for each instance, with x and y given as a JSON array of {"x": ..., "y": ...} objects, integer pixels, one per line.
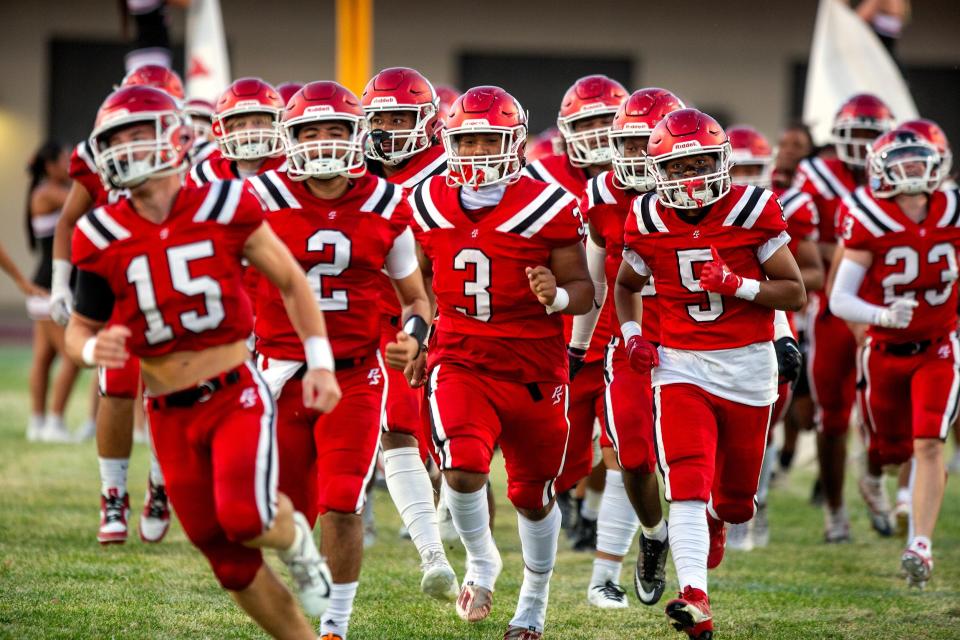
[{"x": 57, "y": 582}]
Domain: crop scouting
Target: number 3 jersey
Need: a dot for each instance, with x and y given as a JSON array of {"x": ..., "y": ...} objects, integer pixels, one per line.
[
  {"x": 342, "y": 245},
  {"x": 177, "y": 284},
  {"x": 720, "y": 343},
  {"x": 910, "y": 260},
  {"x": 490, "y": 321}
]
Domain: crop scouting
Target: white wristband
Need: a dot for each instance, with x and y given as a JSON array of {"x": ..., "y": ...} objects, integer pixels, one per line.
[
  {"x": 318, "y": 352},
  {"x": 87, "y": 354},
  {"x": 560, "y": 302},
  {"x": 749, "y": 289},
  {"x": 629, "y": 329}
]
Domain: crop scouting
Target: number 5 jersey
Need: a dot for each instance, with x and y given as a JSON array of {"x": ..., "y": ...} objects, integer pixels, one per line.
[{"x": 720, "y": 343}]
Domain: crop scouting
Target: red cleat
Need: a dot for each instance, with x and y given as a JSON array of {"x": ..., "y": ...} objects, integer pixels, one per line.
[
  {"x": 690, "y": 613},
  {"x": 718, "y": 540}
]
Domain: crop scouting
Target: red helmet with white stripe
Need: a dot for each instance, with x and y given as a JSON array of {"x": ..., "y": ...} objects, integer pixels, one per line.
[
  {"x": 129, "y": 164},
  {"x": 201, "y": 117},
  {"x": 932, "y": 133},
  {"x": 858, "y": 122},
  {"x": 751, "y": 152},
  {"x": 322, "y": 154},
  {"x": 485, "y": 110},
  {"x": 903, "y": 162},
  {"x": 689, "y": 133},
  {"x": 589, "y": 97},
  {"x": 156, "y": 76},
  {"x": 250, "y": 139},
  {"x": 632, "y": 126},
  {"x": 287, "y": 89},
  {"x": 399, "y": 89}
]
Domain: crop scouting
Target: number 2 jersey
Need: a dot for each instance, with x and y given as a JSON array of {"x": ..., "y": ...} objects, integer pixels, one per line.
[
  {"x": 343, "y": 246},
  {"x": 490, "y": 321},
  {"x": 917, "y": 261},
  {"x": 720, "y": 343},
  {"x": 176, "y": 284}
]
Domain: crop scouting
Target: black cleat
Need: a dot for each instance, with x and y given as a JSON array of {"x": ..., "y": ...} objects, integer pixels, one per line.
[{"x": 650, "y": 576}]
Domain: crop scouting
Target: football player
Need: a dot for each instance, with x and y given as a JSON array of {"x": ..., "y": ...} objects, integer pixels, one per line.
[
  {"x": 245, "y": 126},
  {"x": 832, "y": 363},
  {"x": 631, "y": 497},
  {"x": 162, "y": 267},
  {"x": 586, "y": 113},
  {"x": 201, "y": 118},
  {"x": 118, "y": 387},
  {"x": 506, "y": 255},
  {"x": 344, "y": 226},
  {"x": 897, "y": 274},
  {"x": 720, "y": 259}
]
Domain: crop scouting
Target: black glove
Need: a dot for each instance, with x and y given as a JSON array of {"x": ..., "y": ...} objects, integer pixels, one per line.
[
  {"x": 789, "y": 359},
  {"x": 576, "y": 358}
]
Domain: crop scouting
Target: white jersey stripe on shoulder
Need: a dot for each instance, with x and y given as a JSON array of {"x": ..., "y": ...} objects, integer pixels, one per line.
[
  {"x": 258, "y": 184},
  {"x": 828, "y": 175},
  {"x": 425, "y": 208},
  {"x": 539, "y": 172},
  {"x": 949, "y": 217},
  {"x": 290, "y": 200},
  {"x": 119, "y": 231},
  {"x": 195, "y": 174},
  {"x": 868, "y": 223},
  {"x": 806, "y": 171},
  {"x": 394, "y": 201},
  {"x": 208, "y": 202},
  {"x": 86, "y": 154},
  {"x": 375, "y": 197},
  {"x": 757, "y": 209},
  {"x": 229, "y": 207},
  {"x": 426, "y": 172},
  {"x": 738, "y": 207},
  {"x": 532, "y": 206},
  {"x": 863, "y": 198},
  {"x": 651, "y": 204},
  {"x": 605, "y": 193},
  {"x": 544, "y": 218},
  {"x": 519, "y": 222},
  {"x": 98, "y": 239}
]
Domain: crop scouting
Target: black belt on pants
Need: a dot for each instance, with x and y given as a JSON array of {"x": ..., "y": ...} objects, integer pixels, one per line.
[
  {"x": 340, "y": 364},
  {"x": 200, "y": 393},
  {"x": 906, "y": 348}
]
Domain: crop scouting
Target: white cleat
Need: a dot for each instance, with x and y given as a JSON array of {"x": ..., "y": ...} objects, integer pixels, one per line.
[
  {"x": 439, "y": 580},
  {"x": 309, "y": 570},
  {"x": 35, "y": 426},
  {"x": 54, "y": 430},
  {"x": 836, "y": 527},
  {"x": 918, "y": 568},
  {"x": 155, "y": 517},
  {"x": 609, "y": 595},
  {"x": 878, "y": 505},
  {"x": 740, "y": 536}
]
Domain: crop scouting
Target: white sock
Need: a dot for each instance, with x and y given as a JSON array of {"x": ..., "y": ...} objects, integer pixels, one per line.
[
  {"x": 538, "y": 540},
  {"x": 336, "y": 618},
  {"x": 657, "y": 532},
  {"x": 913, "y": 476},
  {"x": 766, "y": 473},
  {"x": 113, "y": 474},
  {"x": 590, "y": 508},
  {"x": 690, "y": 543},
  {"x": 617, "y": 522},
  {"x": 604, "y": 570},
  {"x": 409, "y": 485},
  {"x": 922, "y": 545},
  {"x": 472, "y": 521},
  {"x": 904, "y": 495}
]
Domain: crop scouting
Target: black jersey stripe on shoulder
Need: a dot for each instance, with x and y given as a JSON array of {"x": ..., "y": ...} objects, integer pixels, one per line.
[
  {"x": 831, "y": 192},
  {"x": 422, "y": 207},
  {"x": 551, "y": 200},
  {"x": 100, "y": 227},
  {"x": 748, "y": 207},
  {"x": 388, "y": 193},
  {"x": 865, "y": 210},
  {"x": 221, "y": 199},
  {"x": 645, "y": 203},
  {"x": 534, "y": 173},
  {"x": 273, "y": 190},
  {"x": 597, "y": 197}
]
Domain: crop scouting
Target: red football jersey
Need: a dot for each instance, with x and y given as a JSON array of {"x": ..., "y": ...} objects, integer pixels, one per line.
[
  {"x": 176, "y": 285},
  {"x": 430, "y": 162},
  {"x": 216, "y": 168},
  {"x": 912, "y": 260},
  {"x": 606, "y": 207},
  {"x": 746, "y": 226},
  {"x": 827, "y": 181},
  {"x": 490, "y": 320},
  {"x": 801, "y": 215},
  {"x": 558, "y": 170},
  {"x": 84, "y": 170},
  {"x": 342, "y": 246}
]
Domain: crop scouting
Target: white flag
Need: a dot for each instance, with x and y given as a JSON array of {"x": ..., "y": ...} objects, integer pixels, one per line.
[
  {"x": 847, "y": 57},
  {"x": 208, "y": 69}
]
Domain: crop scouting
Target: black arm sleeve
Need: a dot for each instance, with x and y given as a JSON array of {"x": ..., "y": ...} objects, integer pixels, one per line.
[{"x": 94, "y": 298}]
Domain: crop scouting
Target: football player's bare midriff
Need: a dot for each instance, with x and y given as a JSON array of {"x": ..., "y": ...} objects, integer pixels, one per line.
[{"x": 182, "y": 369}]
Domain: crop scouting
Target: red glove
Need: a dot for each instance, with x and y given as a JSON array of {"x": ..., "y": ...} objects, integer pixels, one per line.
[
  {"x": 642, "y": 354},
  {"x": 717, "y": 277}
]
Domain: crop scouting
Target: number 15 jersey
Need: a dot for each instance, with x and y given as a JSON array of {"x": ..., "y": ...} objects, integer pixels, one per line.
[{"x": 490, "y": 320}]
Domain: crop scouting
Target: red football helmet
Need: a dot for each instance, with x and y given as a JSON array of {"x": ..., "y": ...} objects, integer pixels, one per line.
[
  {"x": 287, "y": 89},
  {"x": 129, "y": 164},
  {"x": 201, "y": 117},
  {"x": 932, "y": 133},
  {"x": 244, "y": 97},
  {"x": 683, "y": 134},
  {"x": 399, "y": 89},
  {"x": 903, "y": 162},
  {"x": 156, "y": 76},
  {"x": 485, "y": 110},
  {"x": 750, "y": 148},
  {"x": 324, "y": 158},
  {"x": 859, "y": 120},
  {"x": 635, "y": 119},
  {"x": 589, "y": 97},
  {"x": 447, "y": 95},
  {"x": 546, "y": 143}
]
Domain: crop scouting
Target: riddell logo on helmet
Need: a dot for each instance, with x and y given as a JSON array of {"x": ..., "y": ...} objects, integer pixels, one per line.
[
  {"x": 594, "y": 106},
  {"x": 246, "y": 104},
  {"x": 636, "y": 126},
  {"x": 383, "y": 100},
  {"x": 476, "y": 122},
  {"x": 689, "y": 144},
  {"x": 318, "y": 108}
]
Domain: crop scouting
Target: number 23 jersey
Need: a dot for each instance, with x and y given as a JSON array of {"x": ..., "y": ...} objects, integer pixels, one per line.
[
  {"x": 176, "y": 285},
  {"x": 490, "y": 320},
  {"x": 911, "y": 260}
]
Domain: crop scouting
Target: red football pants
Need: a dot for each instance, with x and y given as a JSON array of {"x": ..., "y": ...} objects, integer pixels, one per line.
[
  {"x": 219, "y": 459},
  {"x": 586, "y": 407},
  {"x": 831, "y": 368},
  {"x": 326, "y": 460},
  {"x": 471, "y": 413},
  {"x": 403, "y": 402},
  {"x": 709, "y": 448},
  {"x": 628, "y": 407},
  {"x": 907, "y": 397}
]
